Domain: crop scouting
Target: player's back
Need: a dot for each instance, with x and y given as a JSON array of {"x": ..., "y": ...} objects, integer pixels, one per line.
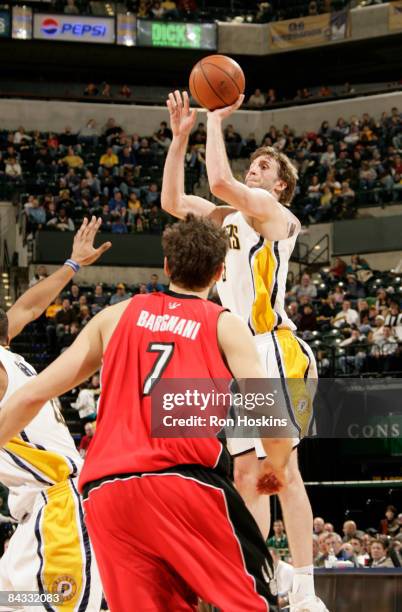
[
  {"x": 44, "y": 453},
  {"x": 253, "y": 284},
  {"x": 167, "y": 335}
]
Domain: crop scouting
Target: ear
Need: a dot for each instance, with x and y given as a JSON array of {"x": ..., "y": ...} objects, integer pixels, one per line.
[
  {"x": 280, "y": 186},
  {"x": 166, "y": 267},
  {"x": 217, "y": 276}
]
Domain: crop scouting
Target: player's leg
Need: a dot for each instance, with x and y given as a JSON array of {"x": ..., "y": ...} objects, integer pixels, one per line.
[
  {"x": 66, "y": 562},
  {"x": 156, "y": 533},
  {"x": 133, "y": 576},
  {"x": 246, "y": 475},
  {"x": 297, "y": 368},
  {"x": 211, "y": 539}
]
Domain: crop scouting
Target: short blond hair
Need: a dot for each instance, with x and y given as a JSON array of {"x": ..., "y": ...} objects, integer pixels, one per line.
[{"x": 286, "y": 172}]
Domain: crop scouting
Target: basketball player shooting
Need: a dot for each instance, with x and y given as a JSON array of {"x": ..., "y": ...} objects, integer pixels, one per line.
[
  {"x": 262, "y": 234},
  {"x": 165, "y": 521}
]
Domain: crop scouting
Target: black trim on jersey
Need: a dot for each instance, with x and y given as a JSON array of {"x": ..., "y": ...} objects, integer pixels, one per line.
[
  {"x": 275, "y": 289},
  {"x": 26, "y": 439},
  {"x": 283, "y": 382},
  {"x": 250, "y": 256},
  {"x": 307, "y": 355},
  {"x": 256, "y": 557},
  {"x": 182, "y": 296}
]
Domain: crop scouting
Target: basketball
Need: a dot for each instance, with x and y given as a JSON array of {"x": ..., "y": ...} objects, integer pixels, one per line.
[{"x": 216, "y": 81}]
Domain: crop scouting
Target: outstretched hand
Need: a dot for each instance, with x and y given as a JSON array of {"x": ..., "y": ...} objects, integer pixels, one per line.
[
  {"x": 182, "y": 119},
  {"x": 84, "y": 252},
  {"x": 222, "y": 113}
]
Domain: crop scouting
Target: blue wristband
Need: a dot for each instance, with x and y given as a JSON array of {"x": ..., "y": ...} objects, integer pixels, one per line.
[{"x": 73, "y": 264}]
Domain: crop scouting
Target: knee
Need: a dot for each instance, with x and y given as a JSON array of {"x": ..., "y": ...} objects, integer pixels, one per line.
[{"x": 245, "y": 479}]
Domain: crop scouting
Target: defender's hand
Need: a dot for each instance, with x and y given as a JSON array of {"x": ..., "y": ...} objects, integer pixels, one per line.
[{"x": 84, "y": 252}]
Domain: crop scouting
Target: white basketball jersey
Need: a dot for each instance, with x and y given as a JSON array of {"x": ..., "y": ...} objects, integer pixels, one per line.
[
  {"x": 253, "y": 283},
  {"x": 44, "y": 453}
]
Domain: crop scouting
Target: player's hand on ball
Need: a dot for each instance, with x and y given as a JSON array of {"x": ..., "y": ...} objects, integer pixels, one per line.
[
  {"x": 182, "y": 119},
  {"x": 272, "y": 479},
  {"x": 84, "y": 252},
  {"x": 222, "y": 113}
]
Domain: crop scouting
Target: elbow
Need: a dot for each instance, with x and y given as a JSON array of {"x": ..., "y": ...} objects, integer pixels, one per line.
[{"x": 219, "y": 187}]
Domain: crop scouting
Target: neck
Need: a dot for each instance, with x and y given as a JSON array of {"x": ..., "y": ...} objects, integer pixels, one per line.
[{"x": 203, "y": 293}]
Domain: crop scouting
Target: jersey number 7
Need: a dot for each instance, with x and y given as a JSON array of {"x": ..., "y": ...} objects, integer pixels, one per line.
[{"x": 165, "y": 350}]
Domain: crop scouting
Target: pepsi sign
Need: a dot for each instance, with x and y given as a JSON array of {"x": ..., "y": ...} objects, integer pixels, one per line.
[{"x": 74, "y": 28}]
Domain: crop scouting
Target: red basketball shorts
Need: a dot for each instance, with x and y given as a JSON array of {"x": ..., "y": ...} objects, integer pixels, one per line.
[{"x": 164, "y": 539}]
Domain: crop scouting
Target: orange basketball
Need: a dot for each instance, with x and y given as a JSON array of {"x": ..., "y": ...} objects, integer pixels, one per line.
[{"x": 216, "y": 81}]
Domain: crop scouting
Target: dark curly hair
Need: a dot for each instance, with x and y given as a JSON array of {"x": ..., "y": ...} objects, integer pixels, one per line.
[{"x": 195, "y": 248}]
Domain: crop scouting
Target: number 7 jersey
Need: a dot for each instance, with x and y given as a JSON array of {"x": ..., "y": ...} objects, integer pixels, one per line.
[
  {"x": 253, "y": 284},
  {"x": 159, "y": 335}
]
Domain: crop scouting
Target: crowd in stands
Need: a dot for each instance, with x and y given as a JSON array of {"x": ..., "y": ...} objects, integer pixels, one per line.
[
  {"x": 379, "y": 546},
  {"x": 352, "y": 318},
  {"x": 349, "y": 314},
  {"x": 116, "y": 175},
  {"x": 254, "y": 11}
]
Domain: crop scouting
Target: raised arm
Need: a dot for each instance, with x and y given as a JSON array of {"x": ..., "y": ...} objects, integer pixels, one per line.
[
  {"x": 274, "y": 220},
  {"x": 35, "y": 301},
  {"x": 75, "y": 365},
  {"x": 173, "y": 198}
]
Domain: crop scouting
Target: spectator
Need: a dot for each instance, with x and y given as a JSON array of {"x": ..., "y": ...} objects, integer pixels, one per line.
[
  {"x": 89, "y": 134},
  {"x": 71, "y": 8},
  {"x": 54, "y": 308},
  {"x": 279, "y": 540},
  {"x": 338, "y": 269},
  {"x": 62, "y": 222},
  {"x": 389, "y": 525},
  {"x": 318, "y": 525},
  {"x": 72, "y": 160},
  {"x": 118, "y": 226},
  {"x": 306, "y": 287},
  {"x": 109, "y": 159},
  {"x": 66, "y": 315},
  {"x": 346, "y": 317},
  {"x": 86, "y": 439},
  {"x": 350, "y": 531},
  {"x": 100, "y": 300},
  {"x": 308, "y": 320},
  {"x": 13, "y": 169},
  {"x": 91, "y": 90},
  {"x": 153, "y": 285},
  {"x": 329, "y": 528},
  {"x": 125, "y": 91},
  {"x": 120, "y": 295},
  {"x": 271, "y": 97},
  {"x": 379, "y": 556},
  {"x": 257, "y": 99}
]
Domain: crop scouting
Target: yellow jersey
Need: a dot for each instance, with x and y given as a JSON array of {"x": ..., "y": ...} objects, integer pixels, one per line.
[{"x": 253, "y": 284}]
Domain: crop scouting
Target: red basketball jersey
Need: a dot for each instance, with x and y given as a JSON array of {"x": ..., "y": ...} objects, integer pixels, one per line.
[{"x": 185, "y": 327}]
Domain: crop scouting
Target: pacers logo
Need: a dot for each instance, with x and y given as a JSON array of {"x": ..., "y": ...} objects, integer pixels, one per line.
[
  {"x": 50, "y": 26},
  {"x": 65, "y": 586}
]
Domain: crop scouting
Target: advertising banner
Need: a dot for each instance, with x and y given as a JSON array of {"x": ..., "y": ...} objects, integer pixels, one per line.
[
  {"x": 126, "y": 33},
  {"x": 395, "y": 16},
  {"x": 22, "y": 22},
  {"x": 74, "y": 28},
  {"x": 4, "y": 24},
  {"x": 309, "y": 31},
  {"x": 177, "y": 35}
]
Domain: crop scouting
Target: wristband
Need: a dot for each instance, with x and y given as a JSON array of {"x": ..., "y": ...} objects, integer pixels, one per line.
[{"x": 73, "y": 264}]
